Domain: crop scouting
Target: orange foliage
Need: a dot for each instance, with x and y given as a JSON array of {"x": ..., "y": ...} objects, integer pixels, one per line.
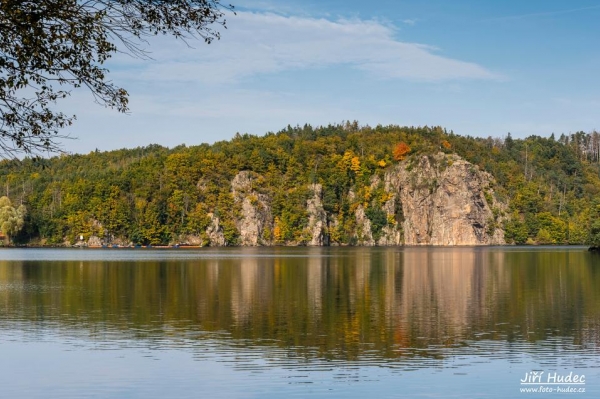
[
  {"x": 446, "y": 144},
  {"x": 400, "y": 151}
]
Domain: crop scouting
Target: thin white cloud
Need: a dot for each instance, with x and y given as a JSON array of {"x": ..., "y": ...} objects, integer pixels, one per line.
[
  {"x": 277, "y": 7},
  {"x": 543, "y": 14},
  {"x": 265, "y": 43}
]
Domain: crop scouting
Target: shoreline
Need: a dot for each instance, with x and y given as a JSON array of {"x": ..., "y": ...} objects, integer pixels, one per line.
[{"x": 180, "y": 246}]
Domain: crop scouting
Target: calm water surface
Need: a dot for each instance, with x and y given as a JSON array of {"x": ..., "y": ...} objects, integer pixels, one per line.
[{"x": 297, "y": 322}]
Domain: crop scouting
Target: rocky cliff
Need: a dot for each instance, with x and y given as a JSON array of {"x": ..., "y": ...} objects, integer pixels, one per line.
[
  {"x": 317, "y": 217},
  {"x": 429, "y": 200},
  {"x": 255, "y": 209},
  {"x": 446, "y": 201}
]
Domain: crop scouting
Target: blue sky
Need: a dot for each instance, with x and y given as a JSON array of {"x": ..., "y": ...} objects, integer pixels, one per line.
[{"x": 480, "y": 68}]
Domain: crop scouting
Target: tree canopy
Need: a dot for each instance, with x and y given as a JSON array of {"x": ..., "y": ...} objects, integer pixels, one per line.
[
  {"x": 156, "y": 195},
  {"x": 49, "y": 47}
]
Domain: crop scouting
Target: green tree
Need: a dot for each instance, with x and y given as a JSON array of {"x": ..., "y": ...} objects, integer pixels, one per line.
[
  {"x": 48, "y": 46},
  {"x": 198, "y": 220},
  {"x": 595, "y": 234},
  {"x": 552, "y": 229},
  {"x": 515, "y": 230},
  {"x": 378, "y": 220},
  {"x": 594, "y": 238},
  {"x": 153, "y": 229}
]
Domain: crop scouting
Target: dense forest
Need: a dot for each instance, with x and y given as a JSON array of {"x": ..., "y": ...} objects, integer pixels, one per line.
[{"x": 156, "y": 195}]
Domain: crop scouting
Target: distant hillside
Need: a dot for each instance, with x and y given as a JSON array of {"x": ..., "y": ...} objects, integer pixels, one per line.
[{"x": 334, "y": 185}]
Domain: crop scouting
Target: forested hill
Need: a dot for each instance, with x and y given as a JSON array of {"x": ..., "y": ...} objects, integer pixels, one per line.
[{"x": 155, "y": 195}]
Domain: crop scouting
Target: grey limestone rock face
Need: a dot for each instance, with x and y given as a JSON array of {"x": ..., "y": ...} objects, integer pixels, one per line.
[
  {"x": 255, "y": 209},
  {"x": 214, "y": 232},
  {"x": 438, "y": 199},
  {"x": 94, "y": 241},
  {"x": 191, "y": 239},
  {"x": 317, "y": 218},
  {"x": 443, "y": 200}
]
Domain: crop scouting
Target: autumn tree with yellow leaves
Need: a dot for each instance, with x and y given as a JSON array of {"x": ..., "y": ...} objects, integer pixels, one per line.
[{"x": 11, "y": 218}]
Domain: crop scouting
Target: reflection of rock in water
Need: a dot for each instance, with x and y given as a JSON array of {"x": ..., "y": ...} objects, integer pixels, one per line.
[
  {"x": 444, "y": 291},
  {"x": 345, "y": 302},
  {"x": 212, "y": 274},
  {"x": 252, "y": 284},
  {"x": 315, "y": 285},
  {"x": 243, "y": 289},
  {"x": 202, "y": 284}
]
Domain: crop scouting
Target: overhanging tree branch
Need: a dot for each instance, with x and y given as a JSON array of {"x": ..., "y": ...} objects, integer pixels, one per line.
[{"x": 49, "y": 44}]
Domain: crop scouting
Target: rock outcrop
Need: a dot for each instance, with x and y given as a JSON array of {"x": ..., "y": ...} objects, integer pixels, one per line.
[
  {"x": 214, "y": 232},
  {"x": 429, "y": 200},
  {"x": 94, "y": 241},
  {"x": 444, "y": 202},
  {"x": 364, "y": 234},
  {"x": 255, "y": 209},
  {"x": 192, "y": 239},
  {"x": 317, "y": 218}
]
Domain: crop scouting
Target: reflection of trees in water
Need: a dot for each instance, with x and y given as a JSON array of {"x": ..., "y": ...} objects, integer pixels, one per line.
[{"x": 339, "y": 302}]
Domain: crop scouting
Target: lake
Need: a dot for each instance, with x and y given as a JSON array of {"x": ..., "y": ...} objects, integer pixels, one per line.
[{"x": 481, "y": 322}]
